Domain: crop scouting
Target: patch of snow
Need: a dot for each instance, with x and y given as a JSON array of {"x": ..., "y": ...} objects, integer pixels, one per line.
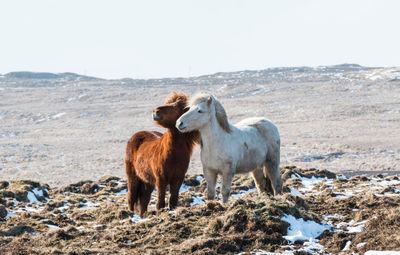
[
  {"x": 199, "y": 178},
  {"x": 345, "y": 194},
  {"x": 347, "y": 246},
  {"x": 137, "y": 218},
  {"x": 356, "y": 229},
  {"x": 122, "y": 192},
  {"x": 335, "y": 216},
  {"x": 32, "y": 198},
  {"x": 263, "y": 252},
  {"x": 184, "y": 187},
  {"x": 384, "y": 183},
  {"x": 353, "y": 226},
  {"x": 197, "y": 201},
  {"x": 88, "y": 204},
  {"x": 15, "y": 201},
  {"x": 309, "y": 183},
  {"x": 32, "y": 209},
  {"x": 38, "y": 192},
  {"x": 302, "y": 230},
  {"x": 53, "y": 227},
  {"x": 242, "y": 192},
  {"x": 312, "y": 247},
  {"x": 10, "y": 214},
  {"x": 360, "y": 245},
  {"x": 295, "y": 192},
  {"x": 387, "y": 195}
]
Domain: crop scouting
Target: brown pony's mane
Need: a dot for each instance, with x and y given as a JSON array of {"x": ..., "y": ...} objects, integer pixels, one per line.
[
  {"x": 220, "y": 113},
  {"x": 179, "y": 98}
]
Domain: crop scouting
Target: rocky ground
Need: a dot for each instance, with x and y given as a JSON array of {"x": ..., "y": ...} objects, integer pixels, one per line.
[{"x": 319, "y": 212}]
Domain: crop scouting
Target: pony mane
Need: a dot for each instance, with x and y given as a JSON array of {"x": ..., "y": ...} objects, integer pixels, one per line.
[
  {"x": 178, "y": 97},
  {"x": 220, "y": 113}
]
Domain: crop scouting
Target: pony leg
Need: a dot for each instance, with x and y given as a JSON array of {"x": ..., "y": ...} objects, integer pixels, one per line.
[
  {"x": 174, "y": 191},
  {"x": 161, "y": 186},
  {"x": 133, "y": 185},
  {"x": 263, "y": 184},
  {"x": 272, "y": 171},
  {"x": 211, "y": 179},
  {"x": 226, "y": 185},
  {"x": 145, "y": 197}
]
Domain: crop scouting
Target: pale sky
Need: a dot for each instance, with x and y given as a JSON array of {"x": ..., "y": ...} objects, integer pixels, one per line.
[{"x": 173, "y": 38}]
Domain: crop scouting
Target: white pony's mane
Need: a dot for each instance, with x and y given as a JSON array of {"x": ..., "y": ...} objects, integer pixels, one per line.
[{"x": 220, "y": 113}]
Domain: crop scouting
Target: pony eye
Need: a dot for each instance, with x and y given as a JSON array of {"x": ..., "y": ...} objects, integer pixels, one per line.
[{"x": 199, "y": 111}]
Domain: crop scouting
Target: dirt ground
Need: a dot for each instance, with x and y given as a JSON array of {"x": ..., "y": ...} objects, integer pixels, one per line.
[
  {"x": 65, "y": 130},
  {"x": 359, "y": 214},
  {"x": 62, "y": 180}
]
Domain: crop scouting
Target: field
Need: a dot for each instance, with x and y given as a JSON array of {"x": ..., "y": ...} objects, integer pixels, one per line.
[{"x": 62, "y": 133}]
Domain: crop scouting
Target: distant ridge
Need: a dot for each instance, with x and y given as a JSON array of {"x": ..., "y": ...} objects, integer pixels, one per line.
[
  {"x": 47, "y": 75},
  {"x": 73, "y": 76}
]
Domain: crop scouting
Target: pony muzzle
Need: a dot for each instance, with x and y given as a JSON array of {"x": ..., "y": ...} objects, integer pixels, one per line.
[
  {"x": 180, "y": 126},
  {"x": 156, "y": 115}
]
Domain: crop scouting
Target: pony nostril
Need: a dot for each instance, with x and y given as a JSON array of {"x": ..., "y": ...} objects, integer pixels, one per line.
[{"x": 181, "y": 125}]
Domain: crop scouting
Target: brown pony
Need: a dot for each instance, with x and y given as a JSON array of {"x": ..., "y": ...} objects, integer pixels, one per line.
[{"x": 154, "y": 160}]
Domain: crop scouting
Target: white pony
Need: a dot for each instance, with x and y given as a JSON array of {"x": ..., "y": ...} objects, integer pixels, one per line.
[{"x": 253, "y": 145}]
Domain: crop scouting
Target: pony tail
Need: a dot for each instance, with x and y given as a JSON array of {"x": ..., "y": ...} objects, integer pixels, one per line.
[{"x": 221, "y": 116}]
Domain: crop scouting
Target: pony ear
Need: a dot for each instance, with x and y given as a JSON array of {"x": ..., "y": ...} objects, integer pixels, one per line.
[{"x": 209, "y": 100}]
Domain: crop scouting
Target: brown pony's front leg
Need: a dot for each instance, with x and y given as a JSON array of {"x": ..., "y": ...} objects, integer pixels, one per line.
[
  {"x": 174, "y": 190},
  {"x": 161, "y": 186}
]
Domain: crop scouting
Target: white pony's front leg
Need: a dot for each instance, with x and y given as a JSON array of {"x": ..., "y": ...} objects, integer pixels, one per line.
[
  {"x": 226, "y": 184},
  {"x": 211, "y": 179}
]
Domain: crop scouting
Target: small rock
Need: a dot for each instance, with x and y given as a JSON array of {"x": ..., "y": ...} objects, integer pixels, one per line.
[
  {"x": 60, "y": 234},
  {"x": 191, "y": 181},
  {"x": 99, "y": 227},
  {"x": 3, "y": 211},
  {"x": 89, "y": 188},
  {"x": 123, "y": 214},
  {"x": 4, "y": 184},
  {"x": 19, "y": 230}
]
